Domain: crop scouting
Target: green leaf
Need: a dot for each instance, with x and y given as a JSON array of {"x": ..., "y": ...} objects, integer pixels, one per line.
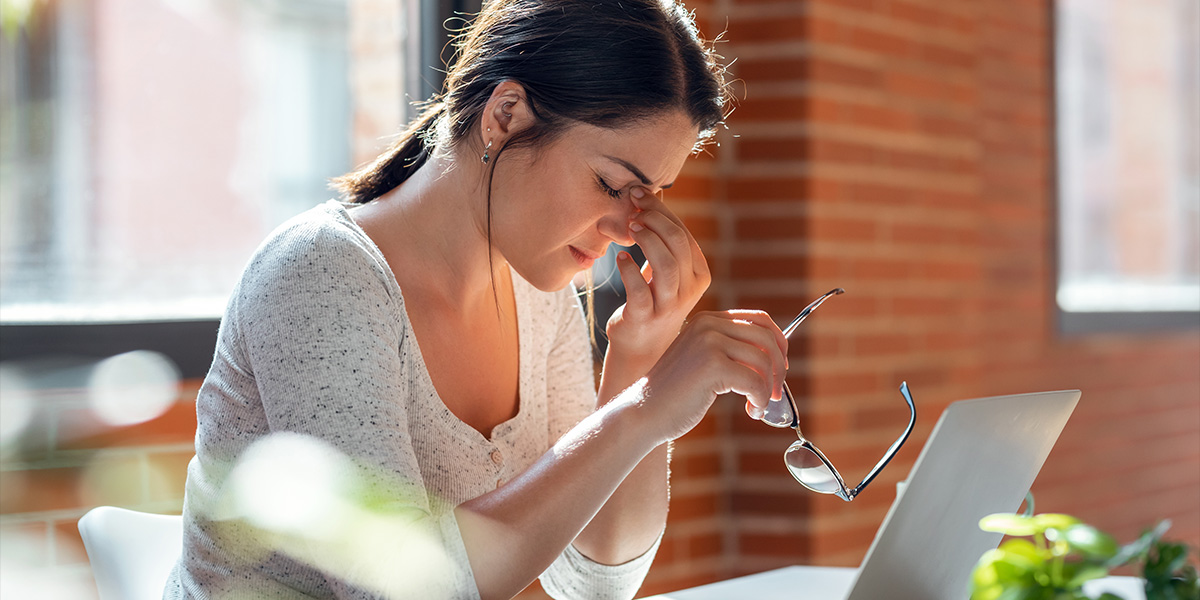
[
  {"x": 999, "y": 571},
  {"x": 1140, "y": 546},
  {"x": 1010, "y": 524},
  {"x": 1055, "y": 521},
  {"x": 1091, "y": 542},
  {"x": 1076, "y": 574},
  {"x": 1025, "y": 548}
]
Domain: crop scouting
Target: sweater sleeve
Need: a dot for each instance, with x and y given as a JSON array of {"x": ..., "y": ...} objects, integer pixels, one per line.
[
  {"x": 571, "y": 397},
  {"x": 324, "y": 335}
]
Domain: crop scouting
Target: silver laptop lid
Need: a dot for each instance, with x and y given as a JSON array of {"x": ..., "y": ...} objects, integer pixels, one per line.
[{"x": 981, "y": 458}]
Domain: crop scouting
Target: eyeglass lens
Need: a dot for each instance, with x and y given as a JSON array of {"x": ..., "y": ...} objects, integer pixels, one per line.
[
  {"x": 810, "y": 470},
  {"x": 781, "y": 413}
]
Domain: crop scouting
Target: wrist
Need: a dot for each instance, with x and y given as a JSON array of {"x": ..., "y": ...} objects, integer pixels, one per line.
[{"x": 629, "y": 414}]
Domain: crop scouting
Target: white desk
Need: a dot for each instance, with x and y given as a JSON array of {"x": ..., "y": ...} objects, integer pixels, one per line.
[{"x": 833, "y": 583}]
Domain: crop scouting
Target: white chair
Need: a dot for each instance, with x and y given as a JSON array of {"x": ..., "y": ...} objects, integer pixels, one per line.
[{"x": 131, "y": 552}]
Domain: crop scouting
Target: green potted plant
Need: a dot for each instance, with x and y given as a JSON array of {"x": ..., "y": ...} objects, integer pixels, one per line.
[{"x": 1051, "y": 556}]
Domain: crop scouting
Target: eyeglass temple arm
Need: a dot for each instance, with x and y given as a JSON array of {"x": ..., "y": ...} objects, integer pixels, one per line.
[
  {"x": 887, "y": 457},
  {"x": 808, "y": 309}
]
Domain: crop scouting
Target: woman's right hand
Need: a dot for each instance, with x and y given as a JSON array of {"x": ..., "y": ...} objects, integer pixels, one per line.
[{"x": 737, "y": 351}]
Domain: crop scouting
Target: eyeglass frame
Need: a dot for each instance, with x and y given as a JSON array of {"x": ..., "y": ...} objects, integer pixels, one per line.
[{"x": 843, "y": 492}]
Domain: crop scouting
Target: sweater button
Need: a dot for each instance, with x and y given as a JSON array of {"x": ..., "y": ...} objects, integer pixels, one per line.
[{"x": 497, "y": 457}]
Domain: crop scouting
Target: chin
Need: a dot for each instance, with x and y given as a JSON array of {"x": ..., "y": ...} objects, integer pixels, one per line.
[{"x": 546, "y": 280}]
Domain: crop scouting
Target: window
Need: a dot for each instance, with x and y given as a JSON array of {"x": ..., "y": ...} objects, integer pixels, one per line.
[
  {"x": 1128, "y": 114},
  {"x": 150, "y": 146}
]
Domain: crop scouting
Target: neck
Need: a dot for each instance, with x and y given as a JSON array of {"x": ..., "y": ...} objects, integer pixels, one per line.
[{"x": 435, "y": 225}]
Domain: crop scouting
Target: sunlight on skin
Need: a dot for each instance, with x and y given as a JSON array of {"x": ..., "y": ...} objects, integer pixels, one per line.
[
  {"x": 310, "y": 502},
  {"x": 132, "y": 387}
]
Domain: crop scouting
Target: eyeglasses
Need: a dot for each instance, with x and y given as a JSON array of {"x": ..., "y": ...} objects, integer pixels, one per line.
[{"x": 805, "y": 461}]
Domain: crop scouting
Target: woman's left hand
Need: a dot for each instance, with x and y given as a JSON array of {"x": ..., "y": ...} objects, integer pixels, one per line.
[{"x": 659, "y": 296}]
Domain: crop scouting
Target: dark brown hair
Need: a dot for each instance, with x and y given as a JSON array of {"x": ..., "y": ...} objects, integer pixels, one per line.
[{"x": 607, "y": 63}]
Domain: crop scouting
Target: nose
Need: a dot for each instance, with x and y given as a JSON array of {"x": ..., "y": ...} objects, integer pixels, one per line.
[{"x": 615, "y": 226}]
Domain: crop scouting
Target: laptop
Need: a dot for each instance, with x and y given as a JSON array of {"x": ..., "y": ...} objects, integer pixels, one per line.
[{"x": 981, "y": 458}]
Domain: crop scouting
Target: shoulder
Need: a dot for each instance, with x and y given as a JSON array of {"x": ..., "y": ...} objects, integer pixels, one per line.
[{"x": 321, "y": 245}]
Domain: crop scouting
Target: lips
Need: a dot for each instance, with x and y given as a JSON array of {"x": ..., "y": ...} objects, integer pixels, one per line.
[{"x": 583, "y": 257}]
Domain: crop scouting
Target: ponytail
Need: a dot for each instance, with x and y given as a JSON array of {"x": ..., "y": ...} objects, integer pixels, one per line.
[{"x": 396, "y": 164}]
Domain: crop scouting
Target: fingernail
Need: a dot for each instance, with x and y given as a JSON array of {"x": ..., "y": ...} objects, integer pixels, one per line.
[
  {"x": 756, "y": 413},
  {"x": 624, "y": 256},
  {"x": 637, "y": 192},
  {"x": 635, "y": 226}
]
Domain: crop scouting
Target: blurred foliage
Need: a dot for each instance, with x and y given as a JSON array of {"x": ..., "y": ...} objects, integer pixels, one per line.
[
  {"x": 1065, "y": 553},
  {"x": 15, "y": 14}
]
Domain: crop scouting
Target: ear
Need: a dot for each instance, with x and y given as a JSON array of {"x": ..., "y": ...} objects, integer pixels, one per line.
[{"x": 506, "y": 113}]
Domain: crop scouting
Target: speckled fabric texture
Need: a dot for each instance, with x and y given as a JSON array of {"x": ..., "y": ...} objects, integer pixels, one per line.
[{"x": 315, "y": 340}]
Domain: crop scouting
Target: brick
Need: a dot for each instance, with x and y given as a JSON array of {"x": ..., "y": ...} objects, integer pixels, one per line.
[
  {"x": 772, "y": 109},
  {"x": 761, "y": 189},
  {"x": 704, "y": 545},
  {"x": 690, "y": 186},
  {"x": 793, "y": 503},
  {"x": 38, "y": 490},
  {"x": 696, "y": 467},
  {"x": 79, "y": 429},
  {"x": 772, "y": 228},
  {"x": 844, "y": 229},
  {"x": 692, "y": 508},
  {"x": 768, "y": 267},
  {"x": 702, "y": 228},
  {"x": 68, "y": 545},
  {"x": 877, "y": 344},
  {"x": 773, "y": 544},
  {"x": 830, "y": 385},
  {"x": 766, "y": 30},
  {"x": 769, "y": 69},
  {"x": 824, "y": 70}
]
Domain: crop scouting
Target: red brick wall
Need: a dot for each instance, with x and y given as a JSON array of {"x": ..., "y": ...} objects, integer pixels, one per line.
[
  {"x": 904, "y": 151},
  {"x": 68, "y": 462}
]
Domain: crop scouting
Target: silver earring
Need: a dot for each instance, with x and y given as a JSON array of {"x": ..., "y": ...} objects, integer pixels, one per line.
[{"x": 485, "y": 158}]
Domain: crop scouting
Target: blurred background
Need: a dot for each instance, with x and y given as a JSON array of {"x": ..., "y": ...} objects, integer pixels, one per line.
[{"x": 1008, "y": 190}]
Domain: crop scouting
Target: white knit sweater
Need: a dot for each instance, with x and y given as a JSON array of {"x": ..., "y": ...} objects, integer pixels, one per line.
[{"x": 316, "y": 341}]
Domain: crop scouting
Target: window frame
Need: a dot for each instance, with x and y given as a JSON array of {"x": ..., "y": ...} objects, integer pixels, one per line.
[
  {"x": 1079, "y": 323},
  {"x": 190, "y": 344}
]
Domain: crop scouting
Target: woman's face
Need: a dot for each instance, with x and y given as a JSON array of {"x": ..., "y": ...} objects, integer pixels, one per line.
[{"x": 556, "y": 208}]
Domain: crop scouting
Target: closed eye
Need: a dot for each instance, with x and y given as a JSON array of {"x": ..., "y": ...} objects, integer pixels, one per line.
[{"x": 607, "y": 189}]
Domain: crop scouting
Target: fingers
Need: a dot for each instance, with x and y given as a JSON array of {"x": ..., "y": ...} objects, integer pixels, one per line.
[
  {"x": 765, "y": 321},
  {"x": 752, "y": 339},
  {"x": 753, "y": 411},
  {"x": 741, "y": 379},
  {"x": 666, "y": 282},
  {"x": 637, "y": 291},
  {"x": 768, "y": 383},
  {"x": 699, "y": 265}
]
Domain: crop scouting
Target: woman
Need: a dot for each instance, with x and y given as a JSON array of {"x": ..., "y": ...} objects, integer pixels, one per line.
[{"x": 426, "y": 327}]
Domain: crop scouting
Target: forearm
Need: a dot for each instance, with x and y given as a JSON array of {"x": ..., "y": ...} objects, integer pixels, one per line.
[
  {"x": 636, "y": 513},
  {"x": 513, "y": 533}
]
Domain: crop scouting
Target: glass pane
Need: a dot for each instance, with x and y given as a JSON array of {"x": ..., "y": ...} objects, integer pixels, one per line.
[
  {"x": 149, "y": 146},
  {"x": 809, "y": 470},
  {"x": 1128, "y": 110},
  {"x": 779, "y": 412}
]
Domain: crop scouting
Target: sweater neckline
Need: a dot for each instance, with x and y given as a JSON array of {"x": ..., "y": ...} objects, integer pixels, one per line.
[{"x": 417, "y": 367}]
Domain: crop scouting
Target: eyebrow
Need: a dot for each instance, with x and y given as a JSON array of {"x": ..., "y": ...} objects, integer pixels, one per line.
[{"x": 636, "y": 171}]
